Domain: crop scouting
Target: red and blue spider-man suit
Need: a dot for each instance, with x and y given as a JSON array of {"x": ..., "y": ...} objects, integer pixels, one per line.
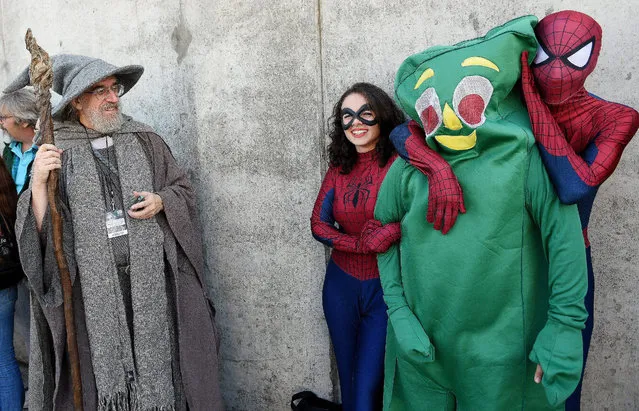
[
  {"x": 352, "y": 295},
  {"x": 580, "y": 136},
  {"x": 349, "y": 200}
]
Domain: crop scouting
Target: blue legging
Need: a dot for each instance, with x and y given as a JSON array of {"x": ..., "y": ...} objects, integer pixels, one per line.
[
  {"x": 11, "y": 389},
  {"x": 356, "y": 316},
  {"x": 573, "y": 403}
]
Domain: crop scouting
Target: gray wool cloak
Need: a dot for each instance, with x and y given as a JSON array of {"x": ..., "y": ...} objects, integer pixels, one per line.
[{"x": 193, "y": 332}]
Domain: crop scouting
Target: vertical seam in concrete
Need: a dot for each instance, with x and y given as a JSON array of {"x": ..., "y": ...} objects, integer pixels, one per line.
[
  {"x": 2, "y": 33},
  {"x": 323, "y": 166},
  {"x": 322, "y": 128}
]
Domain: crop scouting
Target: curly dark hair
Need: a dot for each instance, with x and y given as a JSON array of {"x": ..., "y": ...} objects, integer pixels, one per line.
[{"x": 341, "y": 152}]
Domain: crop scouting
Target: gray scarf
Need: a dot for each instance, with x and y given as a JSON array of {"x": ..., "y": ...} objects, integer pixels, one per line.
[{"x": 129, "y": 375}]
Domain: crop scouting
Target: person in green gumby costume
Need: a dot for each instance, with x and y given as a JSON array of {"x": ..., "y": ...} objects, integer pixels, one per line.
[{"x": 474, "y": 313}]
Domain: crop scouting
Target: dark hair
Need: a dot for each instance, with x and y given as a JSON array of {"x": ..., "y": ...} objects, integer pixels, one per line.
[
  {"x": 8, "y": 195},
  {"x": 341, "y": 152}
]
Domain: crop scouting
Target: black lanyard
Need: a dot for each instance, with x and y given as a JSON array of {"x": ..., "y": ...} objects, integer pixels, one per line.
[{"x": 110, "y": 184}]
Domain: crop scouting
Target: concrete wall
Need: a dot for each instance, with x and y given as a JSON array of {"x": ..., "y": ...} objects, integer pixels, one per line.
[{"x": 242, "y": 90}]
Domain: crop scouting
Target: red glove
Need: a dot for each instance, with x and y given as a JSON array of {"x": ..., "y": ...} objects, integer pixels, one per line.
[
  {"x": 377, "y": 238},
  {"x": 445, "y": 199},
  {"x": 445, "y": 196}
]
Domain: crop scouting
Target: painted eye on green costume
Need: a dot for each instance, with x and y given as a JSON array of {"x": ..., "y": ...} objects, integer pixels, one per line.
[
  {"x": 471, "y": 98},
  {"x": 429, "y": 110}
]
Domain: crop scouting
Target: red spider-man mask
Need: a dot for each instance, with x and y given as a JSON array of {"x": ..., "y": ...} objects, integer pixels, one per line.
[{"x": 569, "y": 44}]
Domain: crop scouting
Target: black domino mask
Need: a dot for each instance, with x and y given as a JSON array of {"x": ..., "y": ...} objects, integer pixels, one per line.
[{"x": 357, "y": 114}]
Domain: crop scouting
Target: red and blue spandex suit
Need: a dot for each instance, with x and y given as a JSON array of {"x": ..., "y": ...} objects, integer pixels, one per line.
[
  {"x": 352, "y": 296},
  {"x": 580, "y": 136}
]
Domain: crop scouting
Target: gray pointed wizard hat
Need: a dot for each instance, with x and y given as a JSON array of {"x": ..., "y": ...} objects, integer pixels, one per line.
[{"x": 74, "y": 74}]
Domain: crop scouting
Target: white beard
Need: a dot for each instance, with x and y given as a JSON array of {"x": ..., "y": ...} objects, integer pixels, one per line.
[{"x": 105, "y": 124}]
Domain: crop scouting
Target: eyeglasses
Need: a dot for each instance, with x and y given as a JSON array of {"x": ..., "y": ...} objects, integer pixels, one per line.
[
  {"x": 3, "y": 118},
  {"x": 103, "y": 92}
]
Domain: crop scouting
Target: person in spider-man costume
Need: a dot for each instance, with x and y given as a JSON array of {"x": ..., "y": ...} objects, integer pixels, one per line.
[
  {"x": 360, "y": 154},
  {"x": 580, "y": 136}
]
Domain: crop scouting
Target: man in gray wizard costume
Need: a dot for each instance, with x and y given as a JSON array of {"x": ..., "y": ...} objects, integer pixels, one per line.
[{"x": 145, "y": 329}]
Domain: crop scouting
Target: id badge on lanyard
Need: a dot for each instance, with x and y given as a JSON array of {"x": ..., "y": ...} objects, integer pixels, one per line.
[{"x": 115, "y": 224}]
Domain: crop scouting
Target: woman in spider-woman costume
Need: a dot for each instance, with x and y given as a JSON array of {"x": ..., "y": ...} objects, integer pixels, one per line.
[
  {"x": 360, "y": 154},
  {"x": 580, "y": 136}
]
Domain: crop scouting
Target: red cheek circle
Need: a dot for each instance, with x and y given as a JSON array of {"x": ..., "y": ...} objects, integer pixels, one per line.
[
  {"x": 429, "y": 119},
  {"x": 470, "y": 108}
]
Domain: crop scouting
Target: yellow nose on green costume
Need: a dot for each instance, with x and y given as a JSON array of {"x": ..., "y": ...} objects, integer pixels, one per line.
[{"x": 452, "y": 122}]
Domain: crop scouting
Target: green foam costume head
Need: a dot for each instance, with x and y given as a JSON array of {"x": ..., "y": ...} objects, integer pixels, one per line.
[{"x": 460, "y": 93}]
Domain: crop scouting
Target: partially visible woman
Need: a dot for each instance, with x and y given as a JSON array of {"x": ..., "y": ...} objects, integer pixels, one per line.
[
  {"x": 360, "y": 154},
  {"x": 18, "y": 117},
  {"x": 11, "y": 389}
]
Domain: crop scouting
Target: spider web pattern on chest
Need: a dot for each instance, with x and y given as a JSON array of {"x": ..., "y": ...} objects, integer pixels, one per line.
[
  {"x": 356, "y": 195},
  {"x": 352, "y": 203}
]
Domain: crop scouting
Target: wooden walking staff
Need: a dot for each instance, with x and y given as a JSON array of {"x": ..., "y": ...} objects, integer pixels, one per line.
[{"x": 41, "y": 74}]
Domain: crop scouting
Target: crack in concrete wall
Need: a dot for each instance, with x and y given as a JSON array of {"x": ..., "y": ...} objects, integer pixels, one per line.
[{"x": 181, "y": 38}]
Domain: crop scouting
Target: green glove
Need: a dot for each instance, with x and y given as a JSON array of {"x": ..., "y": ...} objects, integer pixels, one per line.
[
  {"x": 412, "y": 340},
  {"x": 558, "y": 349}
]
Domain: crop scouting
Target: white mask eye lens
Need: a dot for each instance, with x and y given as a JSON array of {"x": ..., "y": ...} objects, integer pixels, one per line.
[
  {"x": 541, "y": 56},
  {"x": 581, "y": 57}
]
